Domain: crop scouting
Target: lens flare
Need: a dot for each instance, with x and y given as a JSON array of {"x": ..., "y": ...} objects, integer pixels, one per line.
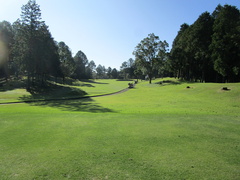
[{"x": 3, "y": 53}]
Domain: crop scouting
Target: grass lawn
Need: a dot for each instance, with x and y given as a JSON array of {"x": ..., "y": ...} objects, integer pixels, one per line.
[
  {"x": 61, "y": 91},
  {"x": 152, "y": 131}
]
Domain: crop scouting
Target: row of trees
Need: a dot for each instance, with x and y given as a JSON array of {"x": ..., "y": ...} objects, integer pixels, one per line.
[
  {"x": 209, "y": 49},
  {"x": 206, "y": 51},
  {"x": 27, "y": 48}
]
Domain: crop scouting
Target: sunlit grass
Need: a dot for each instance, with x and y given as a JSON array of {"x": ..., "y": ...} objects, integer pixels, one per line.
[
  {"x": 157, "y": 131},
  {"x": 200, "y": 98}
]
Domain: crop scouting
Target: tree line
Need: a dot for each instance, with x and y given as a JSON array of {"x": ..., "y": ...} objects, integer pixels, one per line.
[
  {"x": 209, "y": 49},
  {"x": 206, "y": 51},
  {"x": 27, "y": 49}
]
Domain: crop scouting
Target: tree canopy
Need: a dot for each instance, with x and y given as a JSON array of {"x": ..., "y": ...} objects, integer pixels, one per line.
[
  {"x": 27, "y": 48},
  {"x": 149, "y": 53},
  {"x": 208, "y": 50}
]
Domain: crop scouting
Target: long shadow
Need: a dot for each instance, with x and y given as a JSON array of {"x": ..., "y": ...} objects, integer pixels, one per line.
[
  {"x": 73, "y": 82},
  {"x": 81, "y": 105},
  {"x": 91, "y": 81},
  {"x": 11, "y": 84},
  {"x": 87, "y": 85},
  {"x": 86, "y": 82},
  {"x": 62, "y": 97},
  {"x": 51, "y": 92},
  {"x": 124, "y": 80},
  {"x": 167, "y": 82}
]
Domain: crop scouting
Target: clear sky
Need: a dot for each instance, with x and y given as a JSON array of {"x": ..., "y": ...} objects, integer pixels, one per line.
[{"x": 107, "y": 31}]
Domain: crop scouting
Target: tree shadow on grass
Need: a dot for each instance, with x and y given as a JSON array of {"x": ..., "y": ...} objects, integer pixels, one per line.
[
  {"x": 62, "y": 97},
  {"x": 73, "y": 82},
  {"x": 87, "y": 85},
  {"x": 169, "y": 82},
  {"x": 84, "y": 82},
  {"x": 11, "y": 84},
  {"x": 52, "y": 92},
  {"x": 124, "y": 79},
  {"x": 76, "y": 105},
  {"x": 91, "y": 81}
]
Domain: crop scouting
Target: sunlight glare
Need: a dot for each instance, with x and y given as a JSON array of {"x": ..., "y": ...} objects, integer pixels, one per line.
[{"x": 3, "y": 53}]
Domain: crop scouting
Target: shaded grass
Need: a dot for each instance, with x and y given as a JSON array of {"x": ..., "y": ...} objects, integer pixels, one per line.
[
  {"x": 11, "y": 84},
  {"x": 53, "y": 90},
  {"x": 150, "y": 132},
  {"x": 104, "y": 86}
]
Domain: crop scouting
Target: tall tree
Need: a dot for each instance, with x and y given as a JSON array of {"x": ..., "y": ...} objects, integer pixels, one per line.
[
  {"x": 147, "y": 55},
  {"x": 20, "y": 50},
  {"x": 67, "y": 63},
  {"x": 131, "y": 66},
  {"x": 177, "y": 54},
  {"x": 186, "y": 58},
  {"x": 29, "y": 32},
  {"x": 127, "y": 69},
  {"x": 198, "y": 46},
  {"x": 163, "y": 55},
  {"x": 114, "y": 73},
  {"x": 81, "y": 62},
  {"x": 34, "y": 46},
  {"x": 90, "y": 69},
  {"x": 100, "y": 71},
  {"x": 123, "y": 69},
  {"x": 109, "y": 72},
  {"x": 225, "y": 43},
  {"x": 48, "y": 63}
]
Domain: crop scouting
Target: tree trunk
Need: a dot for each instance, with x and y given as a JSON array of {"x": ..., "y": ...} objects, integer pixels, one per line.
[
  {"x": 28, "y": 80},
  {"x": 150, "y": 80}
]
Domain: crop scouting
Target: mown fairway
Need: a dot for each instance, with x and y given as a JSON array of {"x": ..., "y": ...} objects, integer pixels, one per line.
[{"x": 150, "y": 132}]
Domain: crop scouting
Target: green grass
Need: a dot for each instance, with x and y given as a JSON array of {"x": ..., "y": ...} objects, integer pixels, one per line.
[
  {"x": 12, "y": 92},
  {"x": 149, "y": 132},
  {"x": 103, "y": 86}
]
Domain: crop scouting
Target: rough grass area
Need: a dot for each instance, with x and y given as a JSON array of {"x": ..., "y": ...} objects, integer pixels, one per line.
[{"x": 153, "y": 131}]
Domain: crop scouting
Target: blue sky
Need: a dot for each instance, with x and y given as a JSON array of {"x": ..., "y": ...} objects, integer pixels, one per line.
[{"x": 107, "y": 31}]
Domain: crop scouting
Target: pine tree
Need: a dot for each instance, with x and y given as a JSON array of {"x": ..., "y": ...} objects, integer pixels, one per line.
[{"x": 35, "y": 48}]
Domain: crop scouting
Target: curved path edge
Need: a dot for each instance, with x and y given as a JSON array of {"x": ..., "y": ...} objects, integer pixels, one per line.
[{"x": 63, "y": 99}]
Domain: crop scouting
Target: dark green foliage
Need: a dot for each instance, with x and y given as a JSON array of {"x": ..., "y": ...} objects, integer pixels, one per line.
[
  {"x": 90, "y": 69},
  {"x": 101, "y": 72},
  {"x": 109, "y": 72},
  {"x": 177, "y": 55},
  {"x": 225, "y": 43},
  {"x": 81, "y": 62},
  {"x": 35, "y": 51},
  {"x": 67, "y": 63},
  {"x": 114, "y": 73},
  {"x": 208, "y": 50}
]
